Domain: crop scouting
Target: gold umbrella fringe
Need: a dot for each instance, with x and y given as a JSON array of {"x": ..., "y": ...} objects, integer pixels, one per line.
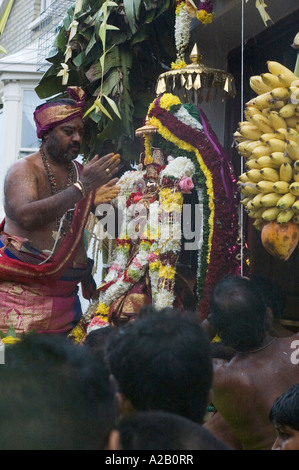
[{"x": 196, "y": 82}]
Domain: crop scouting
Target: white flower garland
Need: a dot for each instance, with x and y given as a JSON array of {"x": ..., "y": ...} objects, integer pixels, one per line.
[
  {"x": 183, "y": 116},
  {"x": 182, "y": 32}
]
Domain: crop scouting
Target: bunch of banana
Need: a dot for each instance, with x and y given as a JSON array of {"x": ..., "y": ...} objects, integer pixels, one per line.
[{"x": 268, "y": 140}]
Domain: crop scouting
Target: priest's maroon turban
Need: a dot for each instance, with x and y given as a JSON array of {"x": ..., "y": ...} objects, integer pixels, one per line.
[{"x": 54, "y": 113}]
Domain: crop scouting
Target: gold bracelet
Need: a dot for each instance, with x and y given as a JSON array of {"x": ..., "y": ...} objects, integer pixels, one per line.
[{"x": 79, "y": 185}]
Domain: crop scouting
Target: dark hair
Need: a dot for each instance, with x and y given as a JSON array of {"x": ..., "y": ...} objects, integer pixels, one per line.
[
  {"x": 285, "y": 409},
  {"x": 158, "y": 430},
  {"x": 96, "y": 340},
  {"x": 54, "y": 396},
  {"x": 272, "y": 293},
  {"x": 238, "y": 313},
  {"x": 162, "y": 361}
]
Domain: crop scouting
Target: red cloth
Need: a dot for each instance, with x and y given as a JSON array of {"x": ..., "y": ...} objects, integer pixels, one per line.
[{"x": 18, "y": 271}]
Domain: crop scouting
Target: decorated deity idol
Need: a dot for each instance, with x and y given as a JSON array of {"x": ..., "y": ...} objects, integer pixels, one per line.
[{"x": 179, "y": 231}]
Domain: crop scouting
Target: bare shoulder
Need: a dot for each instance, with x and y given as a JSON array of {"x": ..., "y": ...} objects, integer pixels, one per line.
[
  {"x": 221, "y": 366},
  {"x": 26, "y": 167},
  {"x": 226, "y": 371}
]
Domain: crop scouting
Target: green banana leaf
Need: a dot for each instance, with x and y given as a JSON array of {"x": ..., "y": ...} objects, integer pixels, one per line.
[{"x": 135, "y": 48}]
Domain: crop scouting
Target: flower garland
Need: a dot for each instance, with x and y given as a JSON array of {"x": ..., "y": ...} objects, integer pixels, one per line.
[
  {"x": 214, "y": 176},
  {"x": 160, "y": 240},
  {"x": 186, "y": 10},
  {"x": 205, "y": 12}
]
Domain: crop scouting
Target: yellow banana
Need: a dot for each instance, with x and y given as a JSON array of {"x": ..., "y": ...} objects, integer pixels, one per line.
[
  {"x": 292, "y": 149},
  {"x": 287, "y": 111},
  {"x": 265, "y": 161},
  {"x": 249, "y": 189},
  {"x": 294, "y": 188},
  {"x": 257, "y": 85},
  {"x": 284, "y": 216},
  {"x": 286, "y": 201},
  {"x": 278, "y": 69},
  {"x": 265, "y": 112},
  {"x": 269, "y": 174},
  {"x": 242, "y": 148},
  {"x": 256, "y": 214},
  {"x": 295, "y": 83},
  {"x": 245, "y": 200},
  {"x": 276, "y": 145},
  {"x": 249, "y": 111},
  {"x": 268, "y": 135},
  {"x": 256, "y": 201},
  {"x": 295, "y": 218},
  {"x": 258, "y": 224},
  {"x": 265, "y": 186},
  {"x": 277, "y": 121},
  {"x": 285, "y": 172},
  {"x": 295, "y": 206},
  {"x": 250, "y": 207},
  {"x": 296, "y": 176},
  {"x": 279, "y": 158},
  {"x": 262, "y": 123},
  {"x": 281, "y": 133},
  {"x": 278, "y": 104},
  {"x": 270, "y": 199},
  {"x": 250, "y": 131},
  {"x": 270, "y": 214},
  {"x": 252, "y": 164},
  {"x": 261, "y": 151},
  {"x": 254, "y": 175},
  {"x": 292, "y": 122},
  {"x": 284, "y": 80},
  {"x": 296, "y": 165},
  {"x": 271, "y": 80},
  {"x": 281, "y": 187},
  {"x": 292, "y": 134},
  {"x": 262, "y": 101},
  {"x": 280, "y": 93},
  {"x": 238, "y": 137},
  {"x": 252, "y": 144},
  {"x": 243, "y": 178}
]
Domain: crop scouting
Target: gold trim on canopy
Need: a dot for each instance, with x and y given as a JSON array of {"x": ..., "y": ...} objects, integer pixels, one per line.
[{"x": 196, "y": 82}]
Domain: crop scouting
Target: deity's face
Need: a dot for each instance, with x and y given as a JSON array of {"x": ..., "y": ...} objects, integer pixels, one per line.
[{"x": 151, "y": 185}]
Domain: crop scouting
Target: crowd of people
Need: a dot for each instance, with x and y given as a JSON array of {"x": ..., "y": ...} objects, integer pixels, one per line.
[
  {"x": 158, "y": 382},
  {"x": 165, "y": 381}
]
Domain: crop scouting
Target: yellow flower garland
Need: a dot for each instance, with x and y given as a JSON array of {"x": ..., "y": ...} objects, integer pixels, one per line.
[
  {"x": 168, "y": 100},
  {"x": 204, "y": 17},
  {"x": 179, "y": 64},
  {"x": 167, "y": 135},
  {"x": 167, "y": 272}
]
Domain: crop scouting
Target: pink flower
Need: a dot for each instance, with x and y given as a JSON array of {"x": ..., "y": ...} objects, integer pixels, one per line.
[
  {"x": 137, "y": 264},
  {"x": 186, "y": 184},
  {"x": 137, "y": 198},
  {"x": 152, "y": 257},
  {"x": 115, "y": 267}
]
